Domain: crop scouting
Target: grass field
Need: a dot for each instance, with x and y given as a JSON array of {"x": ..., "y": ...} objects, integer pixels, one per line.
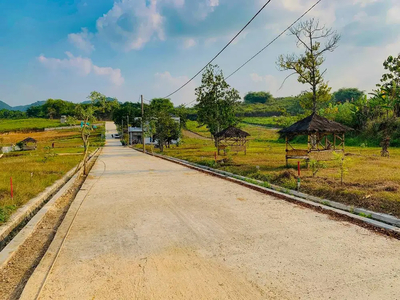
[
  {"x": 371, "y": 182},
  {"x": 33, "y": 171},
  {"x": 28, "y": 125}
]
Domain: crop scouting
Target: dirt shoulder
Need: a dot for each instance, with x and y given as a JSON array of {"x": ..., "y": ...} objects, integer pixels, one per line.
[{"x": 16, "y": 273}]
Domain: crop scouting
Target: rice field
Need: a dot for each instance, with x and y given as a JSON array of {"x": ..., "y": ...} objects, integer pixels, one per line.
[{"x": 33, "y": 171}]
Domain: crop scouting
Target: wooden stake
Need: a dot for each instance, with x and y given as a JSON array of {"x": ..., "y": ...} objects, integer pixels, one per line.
[{"x": 144, "y": 146}]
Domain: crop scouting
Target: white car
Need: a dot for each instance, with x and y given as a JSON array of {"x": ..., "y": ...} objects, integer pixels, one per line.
[{"x": 117, "y": 136}]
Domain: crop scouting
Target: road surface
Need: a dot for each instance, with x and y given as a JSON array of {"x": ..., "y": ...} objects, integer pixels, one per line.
[{"x": 152, "y": 229}]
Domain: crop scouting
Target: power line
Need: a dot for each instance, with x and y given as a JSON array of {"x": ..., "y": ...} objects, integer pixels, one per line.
[
  {"x": 259, "y": 52},
  {"x": 223, "y": 49},
  {"x": 254, "y": 56}
]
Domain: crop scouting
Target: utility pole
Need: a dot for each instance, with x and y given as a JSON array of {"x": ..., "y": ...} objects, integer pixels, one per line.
[
  {"x": 122, "y": 130},
  {"x": 144, "y": 146},
  {"x": 129, "y": 135}
]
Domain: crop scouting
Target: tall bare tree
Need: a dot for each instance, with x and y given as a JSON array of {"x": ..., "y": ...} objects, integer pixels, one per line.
[{"x": 310, "y": 35}]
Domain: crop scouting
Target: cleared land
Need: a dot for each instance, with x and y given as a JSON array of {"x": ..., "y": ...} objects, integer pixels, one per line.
[
  {"x": 27, "y": 125},
  {"x": 371, "y": 182},
  {"x": 33, "y": 171},
  {"x": 151, "y": 229}
]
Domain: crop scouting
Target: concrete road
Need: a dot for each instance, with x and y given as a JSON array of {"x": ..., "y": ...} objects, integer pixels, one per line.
[{"x": 151, "y": 229}]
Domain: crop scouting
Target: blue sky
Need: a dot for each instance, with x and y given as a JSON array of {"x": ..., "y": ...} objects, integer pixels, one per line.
[{"x": 124, "y": 48}]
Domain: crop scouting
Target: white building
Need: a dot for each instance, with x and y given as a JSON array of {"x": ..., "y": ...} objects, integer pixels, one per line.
[{"x": 135, "y": 135}]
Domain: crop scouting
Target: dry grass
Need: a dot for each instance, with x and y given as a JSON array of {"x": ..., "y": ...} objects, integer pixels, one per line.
[
  {"x": 33, "y": 171},
  {"x": 372, "y": 182}
]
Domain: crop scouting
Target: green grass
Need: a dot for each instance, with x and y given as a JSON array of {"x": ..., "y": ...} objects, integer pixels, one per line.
[
  {"x": 33, "y": 171},
  {"x": 201, "y": 130},
  {"x": 263, "y": 121},
  {"x": 27, "y": 125},
  {"x": 372, "y": 182}
]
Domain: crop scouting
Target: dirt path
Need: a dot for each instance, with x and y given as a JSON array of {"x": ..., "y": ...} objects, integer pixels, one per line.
[
  {"x": 194, "y": 135},
  {"x": 151, "y": 229}
]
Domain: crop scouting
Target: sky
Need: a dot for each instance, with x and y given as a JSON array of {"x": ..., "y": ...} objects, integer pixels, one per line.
[{"x": 125, "y": 48}]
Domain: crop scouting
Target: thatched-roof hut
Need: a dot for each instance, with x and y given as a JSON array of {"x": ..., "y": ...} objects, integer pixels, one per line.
[
  {"x": 232, "y": 137},
  {"x": 323, "y": 136},
  {"x": 27, "y": 144}
]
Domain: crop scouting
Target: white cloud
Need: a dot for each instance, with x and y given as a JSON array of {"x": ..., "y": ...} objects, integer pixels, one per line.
[
  {"x": 213, "y": 3},
  {"x": 177, "y": 3},
  {"x": 393, "y": 15},
  {"x": 364, "y": 3},
  {"x": 82, "y": 66},
  {"x": 189, "y": 43},
  {"x": 167, "y": 83},
  {"x": 113, "y": 74},
  {"x": 131, "y": 24},
  {"x": 81, "y": 40},
  {"x": 267, "y": 82}
]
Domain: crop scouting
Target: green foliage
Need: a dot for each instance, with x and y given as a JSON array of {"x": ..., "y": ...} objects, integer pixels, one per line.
[
  {"x": 131, "y": 110},
  {"x": 392, "y": 65},
  {"x": 166, "y": 129},
  {"x": 158, "y": 105},
  {"x": 12, "y": 114},
  {"x": 103, "y": 106},
  {"x": 343, "y": 113},
  {"x": 217, "y": 102},
  {"x": 342, "y": 163},
  {"x": 6, "y": 211},
  {"x": 309, "y": 35},
  {"x": 316, "y": 166},
  {"x": 347, "y": 95},
  {"x": 27, "y": 125},
  {"x": 258, "y": 97}
]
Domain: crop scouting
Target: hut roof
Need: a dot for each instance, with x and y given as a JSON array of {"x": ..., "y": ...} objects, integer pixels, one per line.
[
  {"x": 232, "y": 132},
  {"x": 28, "y": 140},
  {"x": 313, "y": 124}
]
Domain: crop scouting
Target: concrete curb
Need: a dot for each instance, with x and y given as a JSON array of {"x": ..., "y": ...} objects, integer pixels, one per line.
[
  {"x": 377, "y": 220},
  {"x": 38, "y": 277},
  {"x": 25, "y": 212},
  {"x": 12, "y": 247}
]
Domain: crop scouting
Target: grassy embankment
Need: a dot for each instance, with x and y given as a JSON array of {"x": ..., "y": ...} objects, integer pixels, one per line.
[
  {"x": 28, "y": 125},
  {"x": 372, "y": 182},
  {"x": 33, "y": 171}
]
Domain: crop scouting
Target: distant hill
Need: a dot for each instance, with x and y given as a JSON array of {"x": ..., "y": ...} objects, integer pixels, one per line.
[{"x": 4, "y": 105}]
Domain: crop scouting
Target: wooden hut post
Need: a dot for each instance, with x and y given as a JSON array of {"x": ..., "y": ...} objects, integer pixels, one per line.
[
  {"x": 343, "y": 143},
  {"x": 287, "y": 141},
  {"x": 334, "y": 141}
]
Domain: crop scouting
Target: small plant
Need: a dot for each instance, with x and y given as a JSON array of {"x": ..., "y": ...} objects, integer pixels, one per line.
[
  {"x": 369, "y": 216},
  {"x": 48, "y": 153},
  {"x": 327, "y": 203},
  {"x": 341, "y": 162},
  {"x": 363, "y": 146},
  {"x": 316, "y": 166}
]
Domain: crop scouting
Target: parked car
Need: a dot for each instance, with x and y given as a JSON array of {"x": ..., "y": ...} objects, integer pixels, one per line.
[{"x": 117, "y": 136}]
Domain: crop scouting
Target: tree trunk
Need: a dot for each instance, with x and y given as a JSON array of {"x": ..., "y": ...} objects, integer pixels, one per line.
[{"x": 85, "y": 172}]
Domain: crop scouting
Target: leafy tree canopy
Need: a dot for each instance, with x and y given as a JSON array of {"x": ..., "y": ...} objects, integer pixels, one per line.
[
  {"x": 258, "y": 97},
  {"x": 217, "y": 102},
  {"x": 307, "y": 66},
  {"x": 347, "y": 94}
]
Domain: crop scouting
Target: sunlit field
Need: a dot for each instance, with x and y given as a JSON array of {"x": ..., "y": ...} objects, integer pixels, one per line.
[{"x": 371, "y": 181}]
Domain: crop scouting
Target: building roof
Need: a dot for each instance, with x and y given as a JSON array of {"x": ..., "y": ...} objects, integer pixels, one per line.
[
  {"x": 232, "y": 132},
  {"x": 28, "y": 140},
  {"x": 313, "y": 124}
]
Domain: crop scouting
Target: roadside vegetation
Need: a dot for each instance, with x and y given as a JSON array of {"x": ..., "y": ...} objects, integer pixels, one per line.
[
  {"x": 371, "y": 181},
  {"x": 33, "y": 171},
  {"x": 27, "y": 125}
]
